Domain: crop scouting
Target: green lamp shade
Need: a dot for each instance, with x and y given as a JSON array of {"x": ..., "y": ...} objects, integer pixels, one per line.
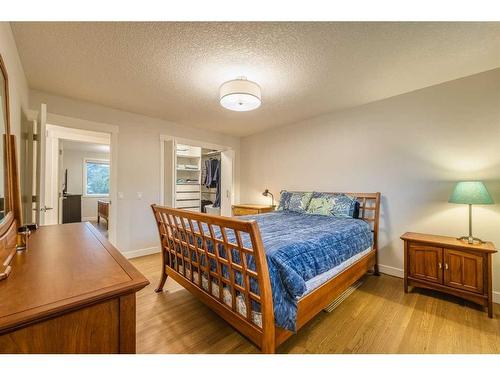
[{"x": 470, "y": 192}]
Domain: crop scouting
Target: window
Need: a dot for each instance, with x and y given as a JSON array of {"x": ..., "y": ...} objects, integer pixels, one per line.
[{"x": 96, "y": 177}]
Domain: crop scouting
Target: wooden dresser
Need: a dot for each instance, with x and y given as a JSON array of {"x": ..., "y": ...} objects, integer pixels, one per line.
[
  {"x": 251, "y": 209},
  {"x": 70, "y": 292},
  {"x": 449, "y": 265},
  {"x": 103, "y": 211}
]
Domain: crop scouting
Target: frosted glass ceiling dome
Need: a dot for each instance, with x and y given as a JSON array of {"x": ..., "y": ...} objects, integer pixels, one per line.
[{"x": 240, "y": 95}]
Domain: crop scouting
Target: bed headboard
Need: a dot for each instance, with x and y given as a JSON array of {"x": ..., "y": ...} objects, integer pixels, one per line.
[{"x": 369, "y": 210}]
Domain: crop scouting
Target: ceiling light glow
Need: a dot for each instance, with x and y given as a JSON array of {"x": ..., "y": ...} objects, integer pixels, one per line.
[{"x": 240, "y": 95}]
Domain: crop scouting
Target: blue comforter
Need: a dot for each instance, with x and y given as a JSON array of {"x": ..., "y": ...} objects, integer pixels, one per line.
[
  {"x": 298, "y": 247},
  {"x": 301, "y": 246}
]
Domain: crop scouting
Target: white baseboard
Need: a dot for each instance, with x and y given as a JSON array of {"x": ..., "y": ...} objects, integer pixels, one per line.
[
  {"x": 141, "y": 252},
  {"x": 90, "y": 218},
  {"x": 398, "y": 272},
  {"x": 392, "y": 271},
  {"x": 496, "y": 297}
]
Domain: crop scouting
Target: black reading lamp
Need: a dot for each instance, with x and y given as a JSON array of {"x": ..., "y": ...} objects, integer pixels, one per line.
[{"x": 267, "y": 193}]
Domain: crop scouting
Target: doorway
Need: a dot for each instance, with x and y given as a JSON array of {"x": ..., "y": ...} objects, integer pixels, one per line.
[
  {"x": 48, "y": 183},
  {"x": 84, "y": 175}
]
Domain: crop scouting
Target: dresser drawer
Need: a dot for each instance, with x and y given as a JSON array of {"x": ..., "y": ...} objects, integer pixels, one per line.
[
  {"x": 187, "y": 195},
  {"x": 187, "y": 187},
  {"x": 187, "y": 203}
]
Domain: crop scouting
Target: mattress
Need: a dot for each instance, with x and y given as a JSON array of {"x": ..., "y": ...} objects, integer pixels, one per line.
[{"x": 320, "y": 279}]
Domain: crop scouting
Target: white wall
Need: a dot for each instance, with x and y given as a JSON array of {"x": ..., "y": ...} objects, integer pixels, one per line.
[
  {"x": 411, "y": 148},
  {"x": 138, "y": 162},
  {"x": 18, "y": 86},
  {"x": 73, "y": 162}
]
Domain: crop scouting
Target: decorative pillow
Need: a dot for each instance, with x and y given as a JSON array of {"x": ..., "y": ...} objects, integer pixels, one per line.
[
  {"x": 299, "y": 201},
  {"x": 321, "y": 204},
  {"x": 333, "y": 204},
  {"x": 284, "y": 200},
  {"x": 346, "y": 206}
]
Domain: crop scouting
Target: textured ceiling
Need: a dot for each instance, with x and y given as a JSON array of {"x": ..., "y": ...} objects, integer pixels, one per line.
[{"x": 173, "y": 70}]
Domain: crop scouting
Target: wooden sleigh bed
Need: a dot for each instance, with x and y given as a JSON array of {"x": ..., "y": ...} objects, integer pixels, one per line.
[{"x": 186, "y": 237}]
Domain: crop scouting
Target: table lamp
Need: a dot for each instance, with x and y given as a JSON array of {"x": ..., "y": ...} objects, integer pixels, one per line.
[
  {"x": 267, "y": 193},
  {"x": 470, "y": 192}
]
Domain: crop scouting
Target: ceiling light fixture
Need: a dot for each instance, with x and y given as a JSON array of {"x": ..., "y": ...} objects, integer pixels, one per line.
[{"x": 240, "y": 95}]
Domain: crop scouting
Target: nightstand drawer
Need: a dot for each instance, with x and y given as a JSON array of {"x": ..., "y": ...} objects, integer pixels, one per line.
[
  {"x": 238, "y": 211},
  {"x": 251, "y": 209}
]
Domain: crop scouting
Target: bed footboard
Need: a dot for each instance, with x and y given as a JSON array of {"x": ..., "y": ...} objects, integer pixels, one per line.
[{"x": 222, "y": 261}]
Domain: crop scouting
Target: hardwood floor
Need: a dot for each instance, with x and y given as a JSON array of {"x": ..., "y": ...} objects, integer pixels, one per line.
[
  {"x": 377, "y": 318},
  {"x": 101, "y": 227}
]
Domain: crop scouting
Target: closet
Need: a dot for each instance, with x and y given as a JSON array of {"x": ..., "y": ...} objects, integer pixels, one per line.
[
  {"x": 210, "y": 160},
  {"x": 197, "y": 178}
]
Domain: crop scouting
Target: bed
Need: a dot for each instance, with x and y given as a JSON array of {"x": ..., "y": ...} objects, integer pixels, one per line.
[
  {"x": 268, "y": 275},
  {"x": 103, "y": 211}
]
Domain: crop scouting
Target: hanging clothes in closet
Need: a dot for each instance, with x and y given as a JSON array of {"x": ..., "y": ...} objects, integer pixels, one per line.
[{"x": 212, "y": 178}]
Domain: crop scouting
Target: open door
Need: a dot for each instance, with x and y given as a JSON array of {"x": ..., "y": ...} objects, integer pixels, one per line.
[
  {"x": 227, "y": 196},
  {"x": 41, "y": 129},
  {"x": 28, "y": 168},
  {"x": 168, "y": 170}
]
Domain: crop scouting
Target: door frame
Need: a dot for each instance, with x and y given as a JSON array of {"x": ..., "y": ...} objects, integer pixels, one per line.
[
  {"x": 27, "y": 161},
  {"x": 55, "y": 134},
  {"x": 73, "y": 126},
  {"x": 190, "y": 142}
]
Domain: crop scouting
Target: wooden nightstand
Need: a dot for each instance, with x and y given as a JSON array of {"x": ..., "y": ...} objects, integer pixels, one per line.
[
  {"x": 251, "y": 209},
  {"x": 449, "y": 265}
]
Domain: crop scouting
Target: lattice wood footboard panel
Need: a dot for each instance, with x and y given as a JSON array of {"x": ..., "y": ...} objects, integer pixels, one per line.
[{"x": 222, "y": 259}]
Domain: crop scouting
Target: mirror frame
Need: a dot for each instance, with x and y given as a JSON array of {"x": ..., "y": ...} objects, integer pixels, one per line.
[{"x": 8, "y": 227}]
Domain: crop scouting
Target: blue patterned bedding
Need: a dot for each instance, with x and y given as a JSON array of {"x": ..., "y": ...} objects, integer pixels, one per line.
[{"x": 301, "y": 246}]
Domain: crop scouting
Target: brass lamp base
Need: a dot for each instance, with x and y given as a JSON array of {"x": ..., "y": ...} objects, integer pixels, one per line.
[{"x": 471, "y": 240}]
